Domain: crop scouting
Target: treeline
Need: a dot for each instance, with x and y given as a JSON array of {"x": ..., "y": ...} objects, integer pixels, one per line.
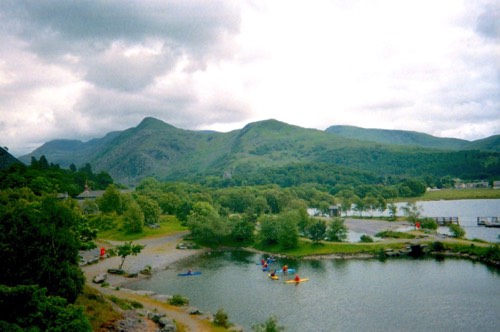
[{"x": 42, "y": 177}]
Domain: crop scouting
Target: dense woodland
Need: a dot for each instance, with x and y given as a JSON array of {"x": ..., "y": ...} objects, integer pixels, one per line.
[{"x": 41, "y": 233}]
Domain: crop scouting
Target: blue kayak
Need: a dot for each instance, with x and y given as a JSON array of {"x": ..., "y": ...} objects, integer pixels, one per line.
[
  {"x": 287, "y": 271},
  {"x": 186, "y": 274}
]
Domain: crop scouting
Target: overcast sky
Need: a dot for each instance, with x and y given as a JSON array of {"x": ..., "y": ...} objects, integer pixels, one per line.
[{"x": 80, "y": 69}]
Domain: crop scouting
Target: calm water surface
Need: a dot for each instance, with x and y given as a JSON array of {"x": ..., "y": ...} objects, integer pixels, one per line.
[
  {"x": 342, "y": 295},
  {"x": 467, "y": 210}
]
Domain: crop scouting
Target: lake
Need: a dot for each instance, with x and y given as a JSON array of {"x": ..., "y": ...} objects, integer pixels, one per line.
[
  {"x": 466, "y": 210},
  {"x": 341, "y": 295}
]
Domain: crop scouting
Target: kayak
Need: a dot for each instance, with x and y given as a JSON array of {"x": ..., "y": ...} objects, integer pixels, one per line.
[
  {"x": 293, "y": 281},
  {"x": 275, "y": 277},
  {"x": 287, "y": 271},
  {"x": 265, "y": 268},
  {"x": 185, "y": 274}
]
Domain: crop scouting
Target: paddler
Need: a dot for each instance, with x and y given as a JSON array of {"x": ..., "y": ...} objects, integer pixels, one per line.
[
  {"x": 262, "y": 261},
  {"x": 285, "y": 268},
  {"x": 297, "y": 278}
]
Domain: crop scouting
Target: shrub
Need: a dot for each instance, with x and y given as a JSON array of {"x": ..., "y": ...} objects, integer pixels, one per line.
[
  {"x": 438, "y": 246},
  {"x": 366, "y": 238},
  {"x": 428, "y": 223},
  {"x": 178, "y": 300},
  {"x": 222, "y": 319},
  {"x": 395, "y": 235},
  {"x": 457, "y": 231}
]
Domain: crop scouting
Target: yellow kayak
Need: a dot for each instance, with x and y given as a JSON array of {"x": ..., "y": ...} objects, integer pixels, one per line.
[
  {"x": 275, "y": 277},
  {"x": 293, "y": 281}
]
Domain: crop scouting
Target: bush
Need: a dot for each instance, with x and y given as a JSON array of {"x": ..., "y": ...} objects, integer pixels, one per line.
[
  {"x": 428, "y": 223},
  {"x": 222, "y": 319},
  {"x": 438, "y": 246},
  {"x": 395, "y": 235},
  {"x": 178, "y": 300},
  {"x": 456, "y": 231},
  {"x": 366, "y": 238}
]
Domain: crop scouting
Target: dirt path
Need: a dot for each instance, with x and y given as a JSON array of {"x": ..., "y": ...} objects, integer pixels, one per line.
[{"x": 158, "y": 253}]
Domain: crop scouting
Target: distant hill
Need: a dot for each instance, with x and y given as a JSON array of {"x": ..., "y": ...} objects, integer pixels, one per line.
[
  {"x": 6, "y": 159},
  {"x": 398, "y": 137},
  {"x": 262, "y": 152}
]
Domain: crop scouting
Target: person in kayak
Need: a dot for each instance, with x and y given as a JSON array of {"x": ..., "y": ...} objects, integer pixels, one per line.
[
  {"x": 297, "y": 278},
  {"x": 285, "y": 268},
  {"x": 189, "y": 272},
  {"x": 273, "y": 273}
]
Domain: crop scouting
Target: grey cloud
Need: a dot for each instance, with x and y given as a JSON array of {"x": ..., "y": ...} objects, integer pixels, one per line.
[
  {"x": 196, "y": 30},
  {"x": 488, "y": 23}
]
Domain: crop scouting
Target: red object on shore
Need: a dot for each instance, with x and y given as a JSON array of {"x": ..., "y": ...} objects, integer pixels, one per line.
[
  {"x": 417, "y": 225},
  {"x": 103, "y": 252}
]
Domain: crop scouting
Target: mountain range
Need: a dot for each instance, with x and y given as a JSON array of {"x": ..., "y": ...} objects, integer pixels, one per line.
[{"x": 155, "y": 148}]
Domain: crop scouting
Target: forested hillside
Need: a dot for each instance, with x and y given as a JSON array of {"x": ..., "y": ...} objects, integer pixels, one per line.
[{"x": 267, "y": 152}]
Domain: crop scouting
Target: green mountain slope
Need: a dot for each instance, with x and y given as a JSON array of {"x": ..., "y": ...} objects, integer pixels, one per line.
[
  {"x": 398, "y": 137},
  {"x": 261, "y": 152},
  {"x": 6, "y": 159}
]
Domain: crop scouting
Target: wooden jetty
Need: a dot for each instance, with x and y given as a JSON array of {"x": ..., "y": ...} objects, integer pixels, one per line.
[
  {"x": 488, "y": 221},
  {"x": 445, "y": 221}
]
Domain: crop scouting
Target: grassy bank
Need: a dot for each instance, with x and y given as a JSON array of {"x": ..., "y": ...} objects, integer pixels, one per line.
[{"x": 452, "y": 194}]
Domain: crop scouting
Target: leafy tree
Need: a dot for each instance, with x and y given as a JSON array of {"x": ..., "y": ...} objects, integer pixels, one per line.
[
  {"x": 29, "y": 308},
  {"x": 39, "y": 242},
  {"x": 127, "y": 249},
  {"x": 242, "y": 229},
  {"x": 288, "y": 233},
  {"x": 412, "y": 212},
  {"x": 393, "y": 210},
  {"x": 359, "y": 206},
  {"x": 111, "y": 200},
  {"x": 133, "y": 218},
  {"x": 206, "y": 225},
  {"x": 269, "y": 230},
  {"x": 317, "y": 231},
  {"x": 370, "y": 203},
  {"x": 150, "y": 209},
  {"x": 337, "y": 230}
]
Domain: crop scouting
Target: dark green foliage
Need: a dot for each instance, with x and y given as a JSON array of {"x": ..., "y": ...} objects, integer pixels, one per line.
[
  {"x": 317, "y": 230},
  {"x": 42, "y": 177},
  {"x": 150, "y": 209},
  {"x": 178, "y": 300},
  {"x": 242, "y": 229},
  {"x": 39, "y": 243},
  {"x": 269, "y": 230},
  {"x": 133, "y": 218},
  {"x": 395, "y": 235},
  {"x": 366, "y": 238},
  {"x": 428, "y": 223},
  {"x": 111, "y": 201},
  {"x": 206, "y": 225},
  {"x": 438, "y": 246},
  {"x": 29, "y": 308}
]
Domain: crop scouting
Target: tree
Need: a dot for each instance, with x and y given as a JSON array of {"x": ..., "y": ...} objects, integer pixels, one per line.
[
  {"x": 317, "y": 231},
  {"x": 111, "y": 200},
  {"x": 128, "y": 249},
  {"x": 288, "y": 233},
  {"x": 206, "y": 225},
  {"x": 337, "y": 230},
  {"x": 242, "y": 229},
  {"x": 39, "y": 242},
  {"x": 133, "y": 218},
  {"x": 29, "y": 308},
  {"x": 393, "y": 210},
  {"x": 150, "y": 209},
  {"x": 269, "y": 230},
  {"x": 412, "y": 212}
]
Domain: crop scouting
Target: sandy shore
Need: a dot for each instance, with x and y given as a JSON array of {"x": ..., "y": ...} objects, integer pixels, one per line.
[{"x": 158, "y": 253}]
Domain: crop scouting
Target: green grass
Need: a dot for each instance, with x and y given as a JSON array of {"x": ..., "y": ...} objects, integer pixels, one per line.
[
  {"x": 451, "y": 194},
  {"x": 307, "y": 248},
  {"x": 168, "y": 225},
  {"x": 96, "y": 308}
]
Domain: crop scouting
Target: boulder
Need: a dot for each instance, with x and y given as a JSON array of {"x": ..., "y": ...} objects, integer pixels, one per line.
[{"x": 100, "y": 278}]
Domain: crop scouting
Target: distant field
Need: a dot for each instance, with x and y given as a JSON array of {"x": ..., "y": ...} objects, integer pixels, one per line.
[{"x": 449, "y": 194}]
